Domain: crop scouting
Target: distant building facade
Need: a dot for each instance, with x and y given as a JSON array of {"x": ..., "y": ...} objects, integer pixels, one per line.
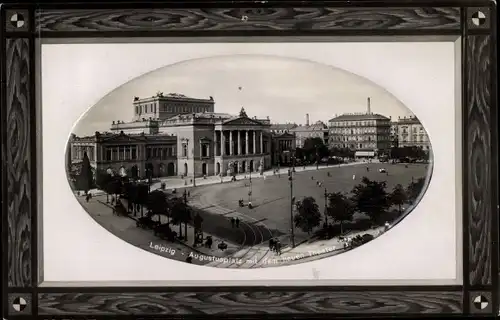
[
  {"x": 280, "y": 128},
  {"x": 411, "y": 133},
  {"x": 366, "y": 133},
  {"x": 316, "y": 130},
  {"x": 283, "y": 146},
  {"x": 394, "y": 134}
]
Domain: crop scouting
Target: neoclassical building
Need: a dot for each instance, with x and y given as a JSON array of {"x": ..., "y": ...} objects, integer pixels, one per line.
[
  {"x": 185, "y": 144},
  {"x": 127, "y": 154}
]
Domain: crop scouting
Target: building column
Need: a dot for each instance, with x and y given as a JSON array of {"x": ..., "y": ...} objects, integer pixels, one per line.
[
  {"x": 247, "y": 147},
  {"x": 231, "y": 147},
  {"x": 261, "y": 143},
  {"x": 239, "y": 142},
  {"x": 253, "y": 145},
  {"x": 222, "y": 142}
]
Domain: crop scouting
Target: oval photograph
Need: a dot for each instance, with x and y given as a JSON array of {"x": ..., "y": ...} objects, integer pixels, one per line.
[{"x": 248, "y": 161}]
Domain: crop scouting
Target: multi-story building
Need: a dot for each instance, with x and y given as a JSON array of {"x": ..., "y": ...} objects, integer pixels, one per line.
[
  {"x": 411, "y": 133},
  {"x": 316, "y": 130},
  {"x": 283, "y": 145},
  {"x": 162, "y": 106},
  {"x": 366, "y": 133},
  {"x": 280, "y": 128},
  {"x": 187, "y": 144},
  {"x": 127, "y": 154},
  {"x": 394, "y": 134}
]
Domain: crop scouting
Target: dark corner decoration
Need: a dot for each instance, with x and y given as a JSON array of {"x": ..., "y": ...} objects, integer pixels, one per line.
[{"x": 22, "y": 25}]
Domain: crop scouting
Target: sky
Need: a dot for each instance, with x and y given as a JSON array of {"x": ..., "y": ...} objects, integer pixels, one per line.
[{"x": 285, "y": 89}]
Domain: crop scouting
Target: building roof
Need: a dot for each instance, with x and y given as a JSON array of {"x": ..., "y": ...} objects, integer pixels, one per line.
[
  {"x": 359, "y": 117},
  {"x": 408, "y": 120},
  {"x": 317, "y": 126},
  {"x": 171, "y": 96},
  {"x": 109, "y": 137},
  {"x": 283, "y": 126}
]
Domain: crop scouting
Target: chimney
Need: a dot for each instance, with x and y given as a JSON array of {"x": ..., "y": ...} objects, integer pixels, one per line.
[
  {"x": 307, "y": 119},
  {"x": 368, "y": 107}
]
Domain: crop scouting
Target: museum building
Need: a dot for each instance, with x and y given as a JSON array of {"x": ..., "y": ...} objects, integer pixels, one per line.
[{"x": 188, "y": 143}]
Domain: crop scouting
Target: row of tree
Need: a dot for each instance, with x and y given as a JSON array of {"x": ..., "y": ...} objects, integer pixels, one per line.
[
  {"x": 369, "y": 197},
  {"x": 314, "y": 149}
]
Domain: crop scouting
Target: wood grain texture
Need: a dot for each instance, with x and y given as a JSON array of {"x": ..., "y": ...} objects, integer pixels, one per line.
[
  {"x": 479, "y": 162},
  {"x": 181, "y": 303},
  {"x": 18, "y": 167},
  {"x": 258, "y": 19}
]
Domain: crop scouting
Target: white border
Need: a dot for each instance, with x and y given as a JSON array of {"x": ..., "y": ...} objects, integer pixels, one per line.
[{"x": 423, "y": 249}]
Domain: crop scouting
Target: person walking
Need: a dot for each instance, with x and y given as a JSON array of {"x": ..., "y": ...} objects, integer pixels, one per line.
[
  {"x": 271, "y": 244},
  {"x": 278, "y": 247}
]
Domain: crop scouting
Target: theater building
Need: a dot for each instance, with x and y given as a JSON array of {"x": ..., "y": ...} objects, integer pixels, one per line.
[
  {"x": 219, "y": 144},
  {"x": 182, "y": 144}
]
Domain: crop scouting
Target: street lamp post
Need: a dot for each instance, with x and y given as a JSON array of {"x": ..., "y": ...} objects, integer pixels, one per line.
[
  {"x": 326, "y": 207},
  {"x": 250, "y": 187},
  {"x": 290, "y": 177}
]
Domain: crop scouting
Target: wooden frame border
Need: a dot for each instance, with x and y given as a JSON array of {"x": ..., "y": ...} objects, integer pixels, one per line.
[{"x": 20, "y": 145}]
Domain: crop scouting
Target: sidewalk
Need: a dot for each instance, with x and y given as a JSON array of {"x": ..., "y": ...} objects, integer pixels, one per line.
[
  {"x": 317, "y": 249},
  {"x": 214, "y": 251}
]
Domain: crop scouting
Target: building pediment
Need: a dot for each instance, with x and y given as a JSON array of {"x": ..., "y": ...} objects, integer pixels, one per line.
[{"x": 242, "y": 121}]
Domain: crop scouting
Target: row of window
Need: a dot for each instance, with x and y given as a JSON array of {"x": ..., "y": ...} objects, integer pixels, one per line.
[
  {"x": 360, "y": 131},
  {"x": 359, "y": 123},
  {"x": 161, "y": 153},
  {"x": 151, "y": 108}
]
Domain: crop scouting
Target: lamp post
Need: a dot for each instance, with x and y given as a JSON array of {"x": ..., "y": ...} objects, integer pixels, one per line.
[
  {"x": 290, "y": 178},
  {"x": 250, "y": 187},
  {"x": 185, "y": 224},
  {"x": 326, "y": 207}
]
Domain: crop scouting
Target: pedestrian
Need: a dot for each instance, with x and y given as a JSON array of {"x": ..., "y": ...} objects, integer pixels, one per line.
[
  {"x": 367, "y": 169},
  {"x": 237, "y": 222},
  {"x": 233, "y": 221},
  {"x": 271, "y": 244},
  {"x": 320, "y": 184},
  {"x": 278, "y": 247},
  {"x": 312, "y": 178},
  {"x": 353, "y": 177}
]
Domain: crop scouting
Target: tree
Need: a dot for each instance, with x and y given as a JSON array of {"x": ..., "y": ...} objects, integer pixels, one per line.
[
  {"x": 414, "y": 189},
  {"x": 308, "y": 216},
  {"x": 197, "y": 221},
  {"x": 157, "y": 204},
  {"x": 180, "y": 213},
  {"x": 398, "y": 196},
  {"x": 103, "y": 181},
  {"x": 315, "y": 148},
  {"x": 141, "y": 195},
  {"x": 371, "y": 198},
  {"x": 340, "y": 208},
  {"x": 86, "y": 175}
]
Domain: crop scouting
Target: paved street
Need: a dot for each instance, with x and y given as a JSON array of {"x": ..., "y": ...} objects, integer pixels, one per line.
[
  {"x": 125, "y": 228},
  {"x": 248, "y": 244},
  {"x": 271, "y": 197}
]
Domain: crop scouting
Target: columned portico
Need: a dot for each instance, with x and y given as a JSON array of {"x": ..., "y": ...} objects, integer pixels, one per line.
[{"x": 241, "y": 142}]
